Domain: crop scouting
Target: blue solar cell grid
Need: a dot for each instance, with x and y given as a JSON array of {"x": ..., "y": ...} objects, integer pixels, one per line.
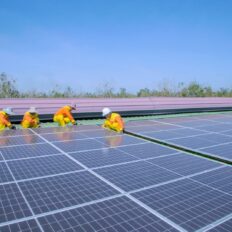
[{"x": 85, "y": 178}]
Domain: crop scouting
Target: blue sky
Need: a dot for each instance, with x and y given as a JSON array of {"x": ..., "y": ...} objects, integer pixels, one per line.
[{"x": 128, "y": 43}]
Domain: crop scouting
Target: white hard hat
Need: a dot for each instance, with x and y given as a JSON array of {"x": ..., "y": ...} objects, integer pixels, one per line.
[
  {"x": 8, "y": 111},
  {"x": 106, "y": 111},
  {"x": 32, "y": 110}
]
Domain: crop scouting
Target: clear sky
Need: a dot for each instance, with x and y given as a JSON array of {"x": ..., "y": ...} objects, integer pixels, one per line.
[{"x": 129, "y": 43}]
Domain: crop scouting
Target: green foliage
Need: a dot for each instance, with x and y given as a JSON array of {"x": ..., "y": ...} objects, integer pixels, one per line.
[{"x": 8, "y": 89}]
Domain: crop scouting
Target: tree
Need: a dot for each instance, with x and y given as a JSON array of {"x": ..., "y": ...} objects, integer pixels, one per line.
[
  {"x": 145, "y": 92},
  {"x": 8, "y": 87}
]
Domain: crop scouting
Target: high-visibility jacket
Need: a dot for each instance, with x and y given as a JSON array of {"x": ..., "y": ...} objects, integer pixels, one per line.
[
  {"x": 4, "y": 121},
  {"x": 64, "y": 116},
  {"x": 114, "y": 122},
  {"x": 30, "y": 120}
]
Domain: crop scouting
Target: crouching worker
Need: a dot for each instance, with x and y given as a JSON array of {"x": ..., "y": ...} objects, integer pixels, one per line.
[
  {"x": 4, "y": 119},
  {"x": 31, "y": 119},
  {"x": 64, "y": 116},
  {"x": 113, "y": 120}
]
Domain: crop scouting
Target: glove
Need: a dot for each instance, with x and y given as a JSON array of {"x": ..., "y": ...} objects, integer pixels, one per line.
[{"x": 13, "y": 127}]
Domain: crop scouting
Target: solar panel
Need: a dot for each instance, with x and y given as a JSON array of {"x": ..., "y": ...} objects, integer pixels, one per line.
[
  {"x": 93, "y": 187},
  {"x": 19, "y": 140},
  {"x": 223, "y": 151},
  {"x": 147, "y": 150},
  {"x": 187, "y": 203},
  {"x": 136, "y": 175},
  {"x": 5, "y": 175},
  {"x": 119, "y": 140},
  {"x": 53, "y": 193},
  {"x": 99, "y": 133},
  {"x": 45, "y": 130},
  {"x": 200, "y": 135},
  {"x": 32, "y": 150},
  {"x": 5, "y": 133},
  {"x": 185, "y": 164},
  {"x": 78, "y": 145},
  {"x": 42, "y": 166},
  {"x": 172, "y": 134},
  {"x": 217, "y": 128},
  {"x": 220, "y": 179},
  {"x": 62, "y": 136},
  {"x": 102, "y": 157},
  {"x": 227, "y": 132},
  {"x": 202, "y": 140},
  {"x": 118, "y": 214},
  {"x": 13, "y": 205},
  {"x": 223, "y": 227},
  {"x": 196, "y": 123},
  {"x": 24, "y": 226}
]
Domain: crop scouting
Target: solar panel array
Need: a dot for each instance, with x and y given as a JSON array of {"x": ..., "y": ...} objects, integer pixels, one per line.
[
  {"x": 88, "y": 179},
  {"x": 208, "y": 134}
]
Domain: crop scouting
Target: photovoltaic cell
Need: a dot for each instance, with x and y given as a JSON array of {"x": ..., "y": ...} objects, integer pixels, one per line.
[
  {"x": 62, "y": 136},
  {"x": 119, "y": 214},
  {"x": 140, "y": 123},
  {"x": 17, "y": 132},
  {"x": 173, "y": 133},
  {"x": 55, "y": 129},
  {"x": 227, "y": 132},
  {"x": 88, "y": 127},
  {"x": 136, "y": 175},
  {"x": 120, "y": 140},
  {"x": 5, "y": 175},
  {"x": 24, "y": 226},
  {"x": 33, "y": 150},
  {"x": 199, "y": 141},
  {"x": 42, "y": 166},
  {"x": 147, "y": 150},
  {"x": 62, "y": 191},
  {"x": 223, "y": 151},
  {"x": 187, "y": 203},
  {"x": 220, "y": 179},
  {"x": 20, "y": 140},
  {"x": 184, "y": 163},
  {"x": 217, "y": 128},
  {"x": 155, "y": 127},
  {"x": 79, "y": 145},
  {"x": 196, "y": 123},
  {"x": 98, "y": 158},
  {"x": 224, "y": 227},
  {"x": 99, "y": 133},
  {"x": 223, "y": 120},
  {"x": 12, "y": 204}
]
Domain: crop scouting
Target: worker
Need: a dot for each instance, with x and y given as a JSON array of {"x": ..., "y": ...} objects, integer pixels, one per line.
[
  {"x": 64, "y": 116},
  {"x": 4, "y": 119},
  {"x": 31, "y": 119},
  {"x": 113, "y": 120}
]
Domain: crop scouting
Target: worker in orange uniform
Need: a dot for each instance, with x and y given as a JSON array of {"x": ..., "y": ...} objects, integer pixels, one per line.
[
  {"x": 31, "y": 119},
  {"x": 4, "y": 119},
  {"x": 113, "y": 120},
  {"x": 64, "y": 116}
]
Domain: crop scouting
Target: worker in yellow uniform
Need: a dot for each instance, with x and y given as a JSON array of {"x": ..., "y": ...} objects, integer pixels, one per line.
[
  {"x": 113, "y": 120},
  {"x": 31, "y": 119},
  {"x": 64, "y": 116},
  {"x": 4, "y": 119}
]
